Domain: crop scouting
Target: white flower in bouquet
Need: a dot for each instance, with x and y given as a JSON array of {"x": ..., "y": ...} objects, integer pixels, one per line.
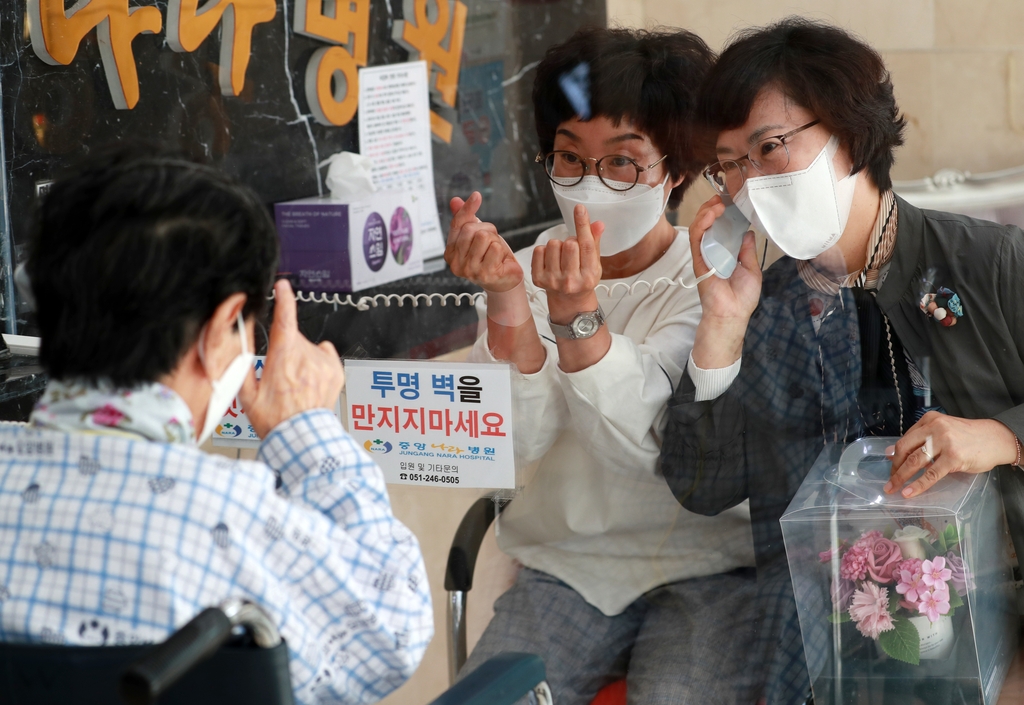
[{"x": 911, "y": 540}]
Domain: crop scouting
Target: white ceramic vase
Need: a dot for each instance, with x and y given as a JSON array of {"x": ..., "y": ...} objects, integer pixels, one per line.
[{"x": 937, "y": 638}]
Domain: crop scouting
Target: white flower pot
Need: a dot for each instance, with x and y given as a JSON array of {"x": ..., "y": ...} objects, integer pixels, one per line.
[{"x": 937, "y": 638}]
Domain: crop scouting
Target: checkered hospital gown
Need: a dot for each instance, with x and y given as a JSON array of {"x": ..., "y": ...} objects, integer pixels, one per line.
[{"x": 108, "y": 540}]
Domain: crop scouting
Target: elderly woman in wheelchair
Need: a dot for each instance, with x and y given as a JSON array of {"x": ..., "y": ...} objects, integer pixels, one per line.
[{"x": 148, "y": 274}]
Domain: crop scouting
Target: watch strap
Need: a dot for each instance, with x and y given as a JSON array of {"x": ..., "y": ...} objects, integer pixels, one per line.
[
  {"x": 566, "y": 331},
  {"x": 561, "y": 331}
]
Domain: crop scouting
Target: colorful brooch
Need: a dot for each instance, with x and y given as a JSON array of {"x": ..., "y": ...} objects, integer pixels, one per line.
[{"x": 944, "y": 306}]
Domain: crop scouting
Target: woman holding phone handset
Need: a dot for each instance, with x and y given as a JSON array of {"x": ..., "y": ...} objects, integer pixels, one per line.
[
  {"x": 618, "y": 581},
  {"x": 882, "y": 319}
]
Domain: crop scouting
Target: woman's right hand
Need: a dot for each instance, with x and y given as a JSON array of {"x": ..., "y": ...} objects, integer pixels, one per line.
[
  {"x": 726, "y": 304},
  {"x": 737, "y": 296},
  {"x": 298, "y": 375},
  {"x": 477, "y": 252}
]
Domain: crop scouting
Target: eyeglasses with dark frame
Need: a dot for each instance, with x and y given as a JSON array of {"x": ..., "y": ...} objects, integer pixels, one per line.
[
  {"x": 614, "y": 170},
  {"x": 769, "y": 156}
]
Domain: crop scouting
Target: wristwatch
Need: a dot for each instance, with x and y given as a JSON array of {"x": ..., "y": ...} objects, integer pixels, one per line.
[{"x": 583, "y": 325}]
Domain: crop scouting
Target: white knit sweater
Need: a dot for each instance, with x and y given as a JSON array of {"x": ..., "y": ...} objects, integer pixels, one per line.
[{"x": 596, "y": 513}]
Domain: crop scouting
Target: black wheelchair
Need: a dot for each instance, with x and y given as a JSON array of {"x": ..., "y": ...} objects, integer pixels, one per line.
[{"x": 228, "y": 654}]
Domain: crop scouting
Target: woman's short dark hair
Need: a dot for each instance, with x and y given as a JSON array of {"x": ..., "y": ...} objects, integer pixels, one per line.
[
  {"x": 837, "y": 77},
  {"x": 131, "y": 256},
  {"x": 650, "y": 78}
]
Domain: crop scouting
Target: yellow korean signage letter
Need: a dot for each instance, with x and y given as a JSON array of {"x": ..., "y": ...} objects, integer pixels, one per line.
[
  {"x": 332, "y": 105},
  {"x": 187, "y": 27},
  {"x": 438, "y": 41},
  {"x": 348, "y": 25},
  {"x": 332, "y": 74},
  {"x": 56, "y": 34}
]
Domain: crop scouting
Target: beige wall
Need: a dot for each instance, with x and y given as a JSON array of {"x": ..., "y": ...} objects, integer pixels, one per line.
[{"x": 957, "y": 65}]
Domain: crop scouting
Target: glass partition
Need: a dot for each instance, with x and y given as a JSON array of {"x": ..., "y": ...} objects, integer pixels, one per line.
[
  {"x": 809, "y": 235},
  {"x": 264, "y": 125}
]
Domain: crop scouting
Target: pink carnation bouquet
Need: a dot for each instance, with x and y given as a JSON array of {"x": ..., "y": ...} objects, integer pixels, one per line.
[{"x": 880, "y": 582}]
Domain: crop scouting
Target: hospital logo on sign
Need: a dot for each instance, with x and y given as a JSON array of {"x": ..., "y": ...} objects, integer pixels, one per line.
[
  {"x": 377, "y": 446},
  {"x": 229, "y": 430}
]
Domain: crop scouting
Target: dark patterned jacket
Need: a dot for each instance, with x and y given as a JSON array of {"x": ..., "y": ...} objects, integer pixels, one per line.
[{"x": 799, "y": 390}]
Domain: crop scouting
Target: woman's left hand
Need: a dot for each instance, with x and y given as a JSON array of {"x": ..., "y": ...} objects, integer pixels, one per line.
[
  {"x": 570, "y": 268},
  {"x": 942, "y": 444}
]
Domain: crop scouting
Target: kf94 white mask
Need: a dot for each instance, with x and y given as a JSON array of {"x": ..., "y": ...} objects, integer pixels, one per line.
[
  {"x": 803, "y": 212},
  {"x": 226, "y": 388},
  {"x": 627, "y": 215}
]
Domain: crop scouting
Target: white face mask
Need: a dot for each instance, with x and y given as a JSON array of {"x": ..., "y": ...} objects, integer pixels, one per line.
[
  {"x": 627, "y": 215},
  {"x": 226, "y": 388},
  {"x": 803, "y": 212}
]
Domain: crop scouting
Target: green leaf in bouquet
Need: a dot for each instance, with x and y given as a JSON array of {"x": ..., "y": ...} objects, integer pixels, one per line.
[
  {"x": 839, "y": 618},
  {"x": 902, "y": 642},
  {"x": 894, "y": 600},
  {"x": 940, "y": 543},
  {"x": 950, "y": 537},
  {"x": 954, "y": 598}
]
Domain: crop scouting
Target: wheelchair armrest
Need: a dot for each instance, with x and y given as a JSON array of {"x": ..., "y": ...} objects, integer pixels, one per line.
[
  {"x": 146, "y": 679},
  {"x": 458, "y": 575},
  {"x": 501, "y": 680}
]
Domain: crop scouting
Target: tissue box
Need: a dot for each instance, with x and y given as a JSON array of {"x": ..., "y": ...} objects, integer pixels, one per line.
[
  {"x": 330, "y": 246},
  {"x": 900, "y": 601}
]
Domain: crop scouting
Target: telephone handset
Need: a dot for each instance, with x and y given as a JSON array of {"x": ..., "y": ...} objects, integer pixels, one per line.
[{"x": 720, "y": 245}]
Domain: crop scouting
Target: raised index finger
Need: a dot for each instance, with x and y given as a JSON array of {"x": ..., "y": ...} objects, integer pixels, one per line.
[{"x": 286, "y": 320}]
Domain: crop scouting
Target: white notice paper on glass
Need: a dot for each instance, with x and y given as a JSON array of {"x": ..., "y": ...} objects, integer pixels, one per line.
[{"x": 394, "y": 131}]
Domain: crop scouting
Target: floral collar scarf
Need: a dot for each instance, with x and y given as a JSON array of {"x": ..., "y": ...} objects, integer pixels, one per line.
[{"x": 150, "y": 411}]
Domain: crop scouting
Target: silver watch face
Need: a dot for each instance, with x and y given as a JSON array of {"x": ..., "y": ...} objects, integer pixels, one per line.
[{"x": 585, "y": 326}]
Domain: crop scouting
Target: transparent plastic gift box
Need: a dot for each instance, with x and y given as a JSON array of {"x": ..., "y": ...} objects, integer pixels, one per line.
[{"x": 900, "y": 600}]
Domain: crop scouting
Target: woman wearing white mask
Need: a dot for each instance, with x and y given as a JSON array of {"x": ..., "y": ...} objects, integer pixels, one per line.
[
  {"x": 618, "y": 579},
  {"x": 881, "y": 320},
  {"x": 149, "y": 274}
]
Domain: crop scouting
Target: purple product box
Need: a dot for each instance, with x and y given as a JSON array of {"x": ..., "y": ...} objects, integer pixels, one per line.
[
  {"x": 314, "y": 244},
  {"x": 329, "y": 246}
]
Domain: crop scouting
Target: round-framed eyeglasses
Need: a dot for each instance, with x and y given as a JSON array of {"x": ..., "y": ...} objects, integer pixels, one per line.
[
  {"x": 616, "y": 171},
  {"x": 768, "y": 156}
]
